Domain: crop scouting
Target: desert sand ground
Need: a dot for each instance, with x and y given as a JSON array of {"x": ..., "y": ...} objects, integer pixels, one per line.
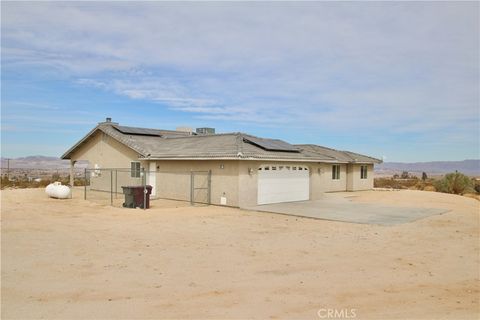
[{"x": 66, "y": 259}]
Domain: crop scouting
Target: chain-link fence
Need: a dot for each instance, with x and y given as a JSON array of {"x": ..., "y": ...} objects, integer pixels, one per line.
[{"x": 106, "y": 186}]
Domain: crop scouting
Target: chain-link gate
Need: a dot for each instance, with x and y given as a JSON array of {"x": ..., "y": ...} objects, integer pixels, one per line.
[
  {"x": 104, "y": 186},
  {"x": 200, "y": 187}
]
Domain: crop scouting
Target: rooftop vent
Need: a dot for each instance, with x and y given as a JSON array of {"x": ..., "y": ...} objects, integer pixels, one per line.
[
  {"x": 108, "y": 121},
  {"x": 205, "y": 130}
]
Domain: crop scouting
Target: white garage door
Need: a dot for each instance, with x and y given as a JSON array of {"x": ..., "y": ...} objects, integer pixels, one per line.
[{"x": 281, "y": 183}]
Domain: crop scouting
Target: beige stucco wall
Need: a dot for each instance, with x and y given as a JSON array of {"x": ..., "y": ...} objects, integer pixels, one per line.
[
  {"x": 106, "y": 153},
  {"x": 247, "y": 183},
  {"x": 173, "y": 180},
  {"x": 354, "y": 181},
  {"x": 238, "y": 180},
  {"x": 321, "y": 179}
]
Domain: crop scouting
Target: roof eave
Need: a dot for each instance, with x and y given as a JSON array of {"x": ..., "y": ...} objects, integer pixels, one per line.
[
  {"x": 365, "y": 162},
  {"x": 168, "y": 158},
  {"x": 68, "y": 153}
]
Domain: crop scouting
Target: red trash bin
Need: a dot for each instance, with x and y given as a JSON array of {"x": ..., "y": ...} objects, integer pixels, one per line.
[{"x": 138, "y": 192}]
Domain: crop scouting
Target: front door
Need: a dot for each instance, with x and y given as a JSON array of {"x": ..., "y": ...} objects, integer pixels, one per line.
[{"x": 152, "y": 177}]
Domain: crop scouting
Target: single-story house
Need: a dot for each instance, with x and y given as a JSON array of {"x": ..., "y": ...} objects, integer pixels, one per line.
[{"x": 244, "y": 170}]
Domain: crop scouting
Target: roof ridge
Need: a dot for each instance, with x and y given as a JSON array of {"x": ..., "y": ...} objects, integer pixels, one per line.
[
  {"x": 359, "y": 154},
  {"x": 240, "y": 142},
  {"x": 251, "y": 135},
  {"x": 205, "y": 135},
  {"x": 117, "y": 125},
  {"x": 317, "y": 145}
]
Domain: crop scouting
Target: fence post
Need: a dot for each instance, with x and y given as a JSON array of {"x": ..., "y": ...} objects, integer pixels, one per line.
[
  {"x": 85, "y": 184},
  {"x": 209, "y": 187},
  {"x": 144, "y": 180},
  {"x": 192, "y": 181},
  {"x": 111, "y": 187}
]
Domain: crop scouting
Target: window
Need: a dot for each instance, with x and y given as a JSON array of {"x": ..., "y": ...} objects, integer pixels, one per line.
[
  {"x": 363, "y": 172},
  {"x": 336, "y": 172},
  {"x": 135, "y": 169}
]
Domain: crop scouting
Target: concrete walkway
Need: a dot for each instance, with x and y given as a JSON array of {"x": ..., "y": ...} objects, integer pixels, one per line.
[{"x": 338, "y": 207}]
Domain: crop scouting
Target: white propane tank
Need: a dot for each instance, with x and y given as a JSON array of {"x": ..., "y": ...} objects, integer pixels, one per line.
[{"x": 56, "y": 190}]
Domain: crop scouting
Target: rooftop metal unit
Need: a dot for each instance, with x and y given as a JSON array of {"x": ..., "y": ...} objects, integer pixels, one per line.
[{"x": 205, "y": 130}]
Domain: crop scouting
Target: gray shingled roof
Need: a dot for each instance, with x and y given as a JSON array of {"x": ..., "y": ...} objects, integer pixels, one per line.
[
  {"x": 166, "y": 144},
  {"x": 344, "y": 156}
]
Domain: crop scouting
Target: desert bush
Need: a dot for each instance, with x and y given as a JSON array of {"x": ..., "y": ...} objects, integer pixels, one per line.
[
  {"x": 405, "y": 175},
  {"x": 25, "y": 183},
  {"x": 385, "y": 183},
  {"x": 476, "y": 185},
  {"x": 429, "y": 188},
  {"x": 456, "y": 183},
  {"x": 5, "y": 182},
  {"x": 395, "y": 183},
  {"x": 420, "y": 185},
  {"x": 472, "y": 195}
]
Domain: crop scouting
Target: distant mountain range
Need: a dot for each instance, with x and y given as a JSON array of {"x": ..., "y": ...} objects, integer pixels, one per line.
[
  {"x": 468, "y": 167},
  {"x": 40, "y": 162}
]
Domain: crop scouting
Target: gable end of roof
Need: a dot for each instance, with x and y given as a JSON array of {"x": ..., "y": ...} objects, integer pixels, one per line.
[{"x": 100, "y": 127}]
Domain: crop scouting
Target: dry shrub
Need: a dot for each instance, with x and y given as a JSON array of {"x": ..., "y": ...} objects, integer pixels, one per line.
[
  {"x": 472, "y": 195},
  {"x": 476, "y": 185},
  {"x": 395, "y": 183},
  {"x": 429, "y": 188},
  {"x": 23, "y": 184},
  {"x": 420, "y": 185},
  {"x": 456, "y": 183}
]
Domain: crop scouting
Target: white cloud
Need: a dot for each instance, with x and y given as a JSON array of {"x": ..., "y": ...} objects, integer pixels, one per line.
[
  {"x": 28, "y": 105},
  {"x": 405, "y": 67}
]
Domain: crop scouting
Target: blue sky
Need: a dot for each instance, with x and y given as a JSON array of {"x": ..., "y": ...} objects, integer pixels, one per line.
[{"x": 392, "y": 79}]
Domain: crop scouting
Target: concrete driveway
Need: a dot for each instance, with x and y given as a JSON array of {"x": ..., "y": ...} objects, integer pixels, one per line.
[{"x": 338, "y": 207}]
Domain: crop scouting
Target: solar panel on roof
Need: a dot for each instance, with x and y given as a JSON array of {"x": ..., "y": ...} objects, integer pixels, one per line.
[
  {"x": 271, "y": 144},
  {"x": 138, "y": 131}
]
